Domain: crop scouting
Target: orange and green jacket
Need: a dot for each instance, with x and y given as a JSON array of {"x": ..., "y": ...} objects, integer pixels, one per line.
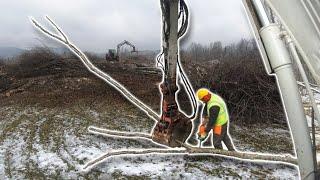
[{"x": 217, "y": 112}]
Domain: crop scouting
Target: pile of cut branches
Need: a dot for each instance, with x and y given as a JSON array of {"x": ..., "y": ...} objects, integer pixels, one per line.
[
  {"x": 251, "y": 94},
  {"x": 239, "y": 77}
]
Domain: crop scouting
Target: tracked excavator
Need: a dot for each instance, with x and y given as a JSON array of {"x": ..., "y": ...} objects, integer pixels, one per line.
[{"x": 114, "y": 55}]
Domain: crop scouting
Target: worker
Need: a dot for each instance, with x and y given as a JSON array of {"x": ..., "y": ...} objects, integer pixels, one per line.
[{"x": 214, "y": 116}]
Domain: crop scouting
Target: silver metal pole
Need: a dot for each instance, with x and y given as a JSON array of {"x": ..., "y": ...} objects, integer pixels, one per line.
[{"x": 281, "y": 64}]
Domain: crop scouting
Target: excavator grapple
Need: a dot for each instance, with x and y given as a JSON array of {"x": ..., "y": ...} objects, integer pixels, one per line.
[{"x": 174, "y": 127}]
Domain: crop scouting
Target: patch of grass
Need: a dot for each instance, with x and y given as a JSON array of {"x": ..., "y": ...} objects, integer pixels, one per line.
[
  {"x": 120, "y": 176},
  {"x": 51, "y": 132},
  {"x": 33, "y": 172},
  {"x": 7, "y": 161},
  {"x": 216, "y": 172},
  {"x": 262, "y": 140},
  {"x": 11, "y": 127},
  {"x": 32, "y": 132},
  {"x": 259, "y": 173}
]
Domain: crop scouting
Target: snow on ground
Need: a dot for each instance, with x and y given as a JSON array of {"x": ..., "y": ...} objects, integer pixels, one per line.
[
  {"x": 309, "y": 121},
  {"x": 40, "y": 143}
]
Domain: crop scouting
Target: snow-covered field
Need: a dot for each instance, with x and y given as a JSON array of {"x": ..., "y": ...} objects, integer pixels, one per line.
[{"x": 40, "y": 143}]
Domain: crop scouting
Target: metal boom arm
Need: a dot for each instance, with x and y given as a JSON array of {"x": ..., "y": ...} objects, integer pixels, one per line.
[{"x": 123, "y": 43}]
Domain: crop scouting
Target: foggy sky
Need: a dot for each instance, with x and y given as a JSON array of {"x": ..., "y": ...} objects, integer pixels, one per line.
[{"x": 99, "y": 25}]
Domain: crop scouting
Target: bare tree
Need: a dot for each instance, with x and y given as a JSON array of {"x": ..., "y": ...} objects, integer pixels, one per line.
[
  {"x": 216, "y": 50},
  {"x": 2, "y": 61}
]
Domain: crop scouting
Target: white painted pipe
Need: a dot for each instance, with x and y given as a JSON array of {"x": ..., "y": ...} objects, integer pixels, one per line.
[
  {"x": 263, "y": 17},
  {"x": 281, "y": 64},
  {"x": 304, "y": 77}
]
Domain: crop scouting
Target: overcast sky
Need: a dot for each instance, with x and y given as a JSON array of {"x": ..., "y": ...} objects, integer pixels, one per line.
[{"x": 97, "y": 25}]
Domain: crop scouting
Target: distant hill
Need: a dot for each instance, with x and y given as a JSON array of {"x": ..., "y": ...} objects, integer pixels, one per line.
[{"x": 7, "y": 52}]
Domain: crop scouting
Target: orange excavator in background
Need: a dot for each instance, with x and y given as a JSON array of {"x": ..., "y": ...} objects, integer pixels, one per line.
[{"x": 114, "y": 55}]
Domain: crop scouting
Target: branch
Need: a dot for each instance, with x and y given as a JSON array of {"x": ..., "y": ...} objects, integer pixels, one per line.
[
  {"x": 92, "y": 68},
  {"x": 191, "y": 151},
  {"x": 107, "y": 155},
  {"x": 124, "y": 135},
  {"x": 244, "y": 155},
  {"x": 120, "y": 134},
  {"x": 195, "y": 150},
  {"x": 186, "y": 149}
]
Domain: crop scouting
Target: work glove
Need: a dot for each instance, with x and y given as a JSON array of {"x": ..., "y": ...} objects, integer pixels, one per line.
[
  {"x": 205, "y": 120},
  {"x": 202, "y": 134}
]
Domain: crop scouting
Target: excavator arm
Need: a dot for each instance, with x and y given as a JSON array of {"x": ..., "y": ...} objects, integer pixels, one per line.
[{"x": 125, "y": 42}]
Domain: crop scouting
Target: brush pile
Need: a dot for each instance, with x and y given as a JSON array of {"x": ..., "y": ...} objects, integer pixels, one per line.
[{"x": 237, "y": 74}]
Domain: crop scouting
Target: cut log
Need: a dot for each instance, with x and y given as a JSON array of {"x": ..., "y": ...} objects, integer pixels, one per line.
[
  {"x": 119, "y": 134},
  {"x": 191, "y": 151},
  {"x": 184, "y": 149},
  {"x": 107, "y": 155},
  {"x": 245, "y": 155}
]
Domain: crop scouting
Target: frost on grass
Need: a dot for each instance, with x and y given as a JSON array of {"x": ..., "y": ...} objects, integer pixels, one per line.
[{"x": 39, "y": 143}]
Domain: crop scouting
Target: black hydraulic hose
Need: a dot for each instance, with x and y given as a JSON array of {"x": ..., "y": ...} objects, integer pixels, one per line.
[
  {"x": 185, "y": 18},
  {"x": 189, "y": 90}
]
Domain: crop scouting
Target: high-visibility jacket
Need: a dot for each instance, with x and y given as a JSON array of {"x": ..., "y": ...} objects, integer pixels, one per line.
[{"x": 223, "y": 116}]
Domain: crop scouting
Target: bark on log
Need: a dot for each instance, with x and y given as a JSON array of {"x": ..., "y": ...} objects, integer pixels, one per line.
[
  {"x": 107, "y": 155},
  {"x": 244, "y": 155},
  {"x": 120, "y": 134},
  {"x": 194, "y": 150},
  {"x": 191, "y": 151}
]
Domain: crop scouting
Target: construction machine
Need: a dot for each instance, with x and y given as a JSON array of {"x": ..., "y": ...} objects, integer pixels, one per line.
[
  {"x": 114, "y": 55},
  {"x": 174, "y": 126},
  {"x": 295, "y": 35},
  {"x": 288, "y": 31}
]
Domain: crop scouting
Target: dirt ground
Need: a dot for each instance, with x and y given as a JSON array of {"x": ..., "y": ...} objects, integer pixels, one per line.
[{"x": 44, "y": 120}]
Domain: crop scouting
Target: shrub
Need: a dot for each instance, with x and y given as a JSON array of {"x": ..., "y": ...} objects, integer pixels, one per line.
[{"x": 32, "y": 62}]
